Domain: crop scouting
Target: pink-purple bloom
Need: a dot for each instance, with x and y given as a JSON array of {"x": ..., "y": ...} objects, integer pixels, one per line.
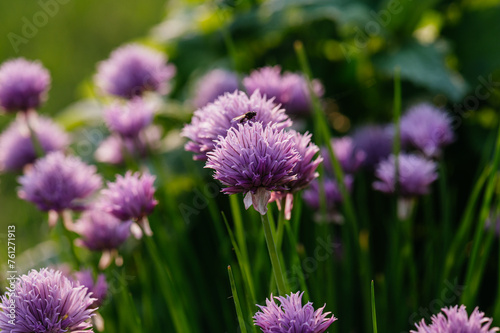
[
  {"x": 57, "y": 182},
  {"x": 456, "y": 320},
  {"x": 98, "y": 287},
  {"x": 134, "y": 69},
  {"x": 291, "y": 316},
  {"x": 255, "y": 159},
  {"x": 16, "y": 145},
  {"x": 415, "y": 175},
  {"x": 214, "y": 84},
  {"x": 305, "y": 169},
  {"x": 131, "y": 197},
  {"x": 46, "y": 301},
  {"x": 375, "y": 142},
  {"x": 100, "y": 230},
  {"x": 288, "y": 89},
  {"x": 215, "y": 119},
  {"x": 129, "y": 118},
  {"x": 426, "y": 128},
  {"x": 349, "y": 156},
  {"x": 23, "y": 85}
]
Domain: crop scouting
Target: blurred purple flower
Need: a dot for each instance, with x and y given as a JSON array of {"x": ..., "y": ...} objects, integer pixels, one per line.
[
  {"x": 16, "y": 146},
  {"x": 101, "y": 231},
  {"x": 290, "y": 316},
  {"x": 215, "y": 119},
  {"x": 350, "y": 157},
  {"x": 416, "y": 174},
  {"x": 57, "y": 182},
  {"x": 456, "y": 320},
  {"x": 128, "y": 119},
  {"x": 254, "y": 159},
  {"x": 290, "y": 89},
  {"x": 133, "y": 69},
  {"x": 46, "y": 301},
  {"x": 98, "y": 287},
  {"x": 130, "y": 197},
  {"x": 427, "y": 128},
  {"x": 214, "y": 84},
  {"x": 375, "y": 141},
  {"x": 23, "y": 85}
]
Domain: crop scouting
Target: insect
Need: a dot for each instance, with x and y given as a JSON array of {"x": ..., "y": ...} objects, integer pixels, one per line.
[{"x": 247, "y": 116}]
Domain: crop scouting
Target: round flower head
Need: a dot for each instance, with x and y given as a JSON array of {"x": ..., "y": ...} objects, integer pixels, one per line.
[
  {"x": 375, "y": 142},
  {"x": 101, "y": 231},
  {"x": 130, "y": 118},
  {"x": 98, "y": 287},
  {"x": 133, "y": 69},
  {"x": 456, "y": 320},
  {"x": 229, "y": 110},
  {"x": 290, "y": 316},
  {"x": 349, "y": 157},
  {"x": 46, "y": 301},
  {"x": 415, "y": 175},
  {"x": 16, "y": 146},
  {"x": 57, "y": 182},
  {"x": 255, "y": 159},
  {"x": 290, "y": 90},
  {"x": 23, "y": 85},
  {"x": 212, "y": 85},
  {"x": 131, "y": 197},
  {"x": 427, "y": 128}
]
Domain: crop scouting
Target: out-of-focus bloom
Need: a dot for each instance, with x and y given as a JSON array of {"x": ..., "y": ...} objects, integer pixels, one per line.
[
  {"x": 128, "y": 119},
  {"x": 290, "y": 89},
  {"x": 333, "y": 196},
  {"x": 350, "y": 157},
  {"x": 229, "y": 110},
  {"x": 214, "y": 84},
  {"x": 493, "y": 223},
  {"x": 291, "y": 316},
  {"x": 23, "y": 85},
  {"x": 255, "y": 159},
  {"x": 415, "y": 175},
  {"x": 305, "y": 169},
  {"x": 98, "y": 287},
  {"x": 427, "y": 128},
  {"x": 131, "y": 197},
  {"x": 46, "y": 301},
  {"x": 455, "y": 319},
  {"x": 376, "y": 143},
  {"x": 133, "y": 69},
  {"x": 57, "y": 182},
  {"x": 16, "y": 146}
]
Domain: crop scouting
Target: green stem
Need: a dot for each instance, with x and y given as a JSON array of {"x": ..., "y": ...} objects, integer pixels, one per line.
[
  {"x": 273, "y": 254},
  {"x": 374, "y": 311},
  {"x": 236, "y": 299}
]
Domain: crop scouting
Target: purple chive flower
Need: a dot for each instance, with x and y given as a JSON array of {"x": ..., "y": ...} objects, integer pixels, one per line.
[
  {"x": 456, "y": 320},
  {"x": 376, "y": 143},
  {"x": 291, "y": 316},
  {"x": 290, "y": 90},
  {"x": 98, "y": 287},
  {"x": 131, "y": 197},
  {"x": 416, "y": 174},
  {"x": 426, "y": 128},
  {"x": 349, "y": 157},
  {"x": 57, "y": 182},
  {"x": 23, "y": 85},
  {"x": 255, "y": 159},
  {"x": 46, "y": 301},
  {"x": 130, "y": 118},
  {"x": 101, "y": 231},
  {"x": 214, "y": 84},
  {"x": 215, "y": 119},
  {"x": 16, "y": 146},
  {"x": 133, "y": 69}
]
